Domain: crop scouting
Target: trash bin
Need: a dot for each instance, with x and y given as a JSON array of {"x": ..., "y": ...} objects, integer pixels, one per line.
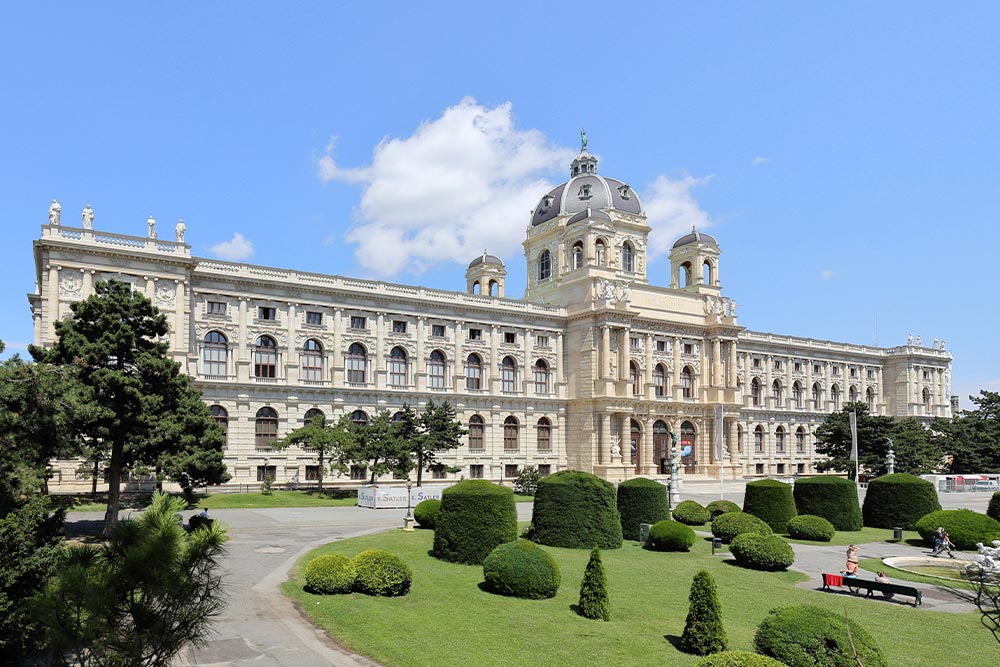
[
  {"x": 897, "y": 534},
  {"x": 716, "y": 544}
]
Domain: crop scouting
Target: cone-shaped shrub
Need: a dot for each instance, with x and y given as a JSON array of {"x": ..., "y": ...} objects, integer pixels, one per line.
[
  {"x": 703, "y": 632},
  {"x": 641, "y": 500},
  {"x": 771, "y": 501},
  {"x": 806, "y": 636},
  {"x": 717, "y": 507},
  {"x": 576, "y": 510},
  {"x": 994, "y": 509},
  {"x": 426, "y": 512},
  {"x": 691, "y": 513},
  {"x": 898, "y": 500},
  {"x": 475, "y": 517},
  {"x": 833, "y": 498},
  {"x": 965, "y": 527},
  {"x": 739, "y": 659},
  {"x": 594, "y": 589}
]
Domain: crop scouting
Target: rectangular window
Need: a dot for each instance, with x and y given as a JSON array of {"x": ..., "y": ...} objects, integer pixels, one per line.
[
  {"x": 815, "y": 368},
  {"x": 544, "y": 469},
  {"x": 781, "y": 468},
  {"x": 800, "y": 468},
  {"x": 777, "y": 364},
  {"x": 661, "y": 346},
  {"x": 836, "y": 370},
  {"x": 476, "y": 471},
  {"x": 399, "y": 326},
  {"x": 439, "y": 473},
  {"x": 633, "y": 343},
  {"x": 437, "y": 330},
  {"x": 510, "y": 470},
  {"x": 798, "y": 368},
  {"x": 217, "y": 308},
  {"x": 688, "y": 348},
  {"x": 475, "y": 334},
  {"x": 542, "y": 341},
  {"x": 871, "y": 374},
  {"x": 759, "y": 469},
  {"x": 314, "y": 318},
  {"x": 756, "y": 363},
  {"x": 267, "y": 471},
  {"x": 359, "y": 472},
  {"x": 312, "y": 473},
  {"x": 854, "y": 372},
  {"x": 266, "y": 313},
  {"x": 927, "y": 375},
  {"x": 359, "y": 322},
  {"x": 509, "y": 337}
]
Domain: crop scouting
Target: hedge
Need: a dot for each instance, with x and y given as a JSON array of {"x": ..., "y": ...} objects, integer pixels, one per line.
[
  {"x": 833, "y": 498},
  {"x": 811, "y": 527},
  {"x": 771, "y": 501},
  {"x": 381, "y": 573},
  {"x": 330, "y": 573},
  {"x": 717, "y": 507},
  {"x": 965, "y": 527},
  {"x": 994, "y": 509},
  {"x": 475, "y": 517},
  {"x": 738, "y": 659},
  {"x": 807, "y": 636},
  {"x": 426, "y": 512},
  {"x": 729, "y": 525},
  {"x": 521, "y": 569},
  {"x": 691, "y": 513},
  {"x": 769, "y": 553},
  {"x": 641, "y": 500},
  {"x": 670, "y": 536},
  {"x": 898, "y": 500},
  {"x": 576, "y": 510}
]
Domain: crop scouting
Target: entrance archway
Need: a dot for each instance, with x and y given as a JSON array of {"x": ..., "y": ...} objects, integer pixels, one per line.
[
  {"x": 661, "y": 446},
  {"x": 689, "y": 444},
  {"x": 635, "y": 438}
]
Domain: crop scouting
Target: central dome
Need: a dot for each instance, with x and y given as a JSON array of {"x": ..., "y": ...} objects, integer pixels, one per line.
[{"x": 586, "y": 190}]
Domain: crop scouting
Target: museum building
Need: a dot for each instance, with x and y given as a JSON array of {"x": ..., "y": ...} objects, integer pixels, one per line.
[{"x": 592, "y": 369}]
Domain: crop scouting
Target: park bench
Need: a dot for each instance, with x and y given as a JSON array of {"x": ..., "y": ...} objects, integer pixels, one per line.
[{"x": 871, "y": 586}]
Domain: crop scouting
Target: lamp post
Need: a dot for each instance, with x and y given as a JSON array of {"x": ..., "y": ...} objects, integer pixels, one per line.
[
  {"x": 408, "y": 519},
  {"x": 675, "y": 492},
  {"x": 890, "y": 459}
]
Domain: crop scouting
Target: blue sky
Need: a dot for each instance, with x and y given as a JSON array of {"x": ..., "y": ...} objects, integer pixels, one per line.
[{"x": 845, "y": 155}]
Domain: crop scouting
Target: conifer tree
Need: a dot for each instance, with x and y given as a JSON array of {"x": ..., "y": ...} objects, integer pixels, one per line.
[
  {"x": 703, "y": 632},
  {"x": 594, "y": 589}
]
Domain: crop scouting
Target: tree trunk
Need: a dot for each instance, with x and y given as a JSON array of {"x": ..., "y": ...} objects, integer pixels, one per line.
[
  {"x": 114, "y": 487},
  {"x": 420, "y": 468},
  {"x": 321, "y": 471},
  {"x": 93, "y": 478}
]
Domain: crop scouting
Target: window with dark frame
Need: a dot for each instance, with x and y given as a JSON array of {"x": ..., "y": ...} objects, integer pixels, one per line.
[
  {"x": 215, "y": 354},
  {"x": 312, "y": 361},
  {"x": 544, "y": 469},
  {"x": 397, "y": 367},
  {"x": 267, "y": 472},
  {"x": 508, "y": 375},
  {"x": 221, "y": 417},
  {"x": 357, "y": 362},
  {"x": 473, "y": 373},
  {"x": 475, "y": 334},
  {"x": 436, "y": 370},
  {"x": 265, "y": 428},
  {"x": 510, "y": 470},
  {"x": 266, "y": 313},
  {"x": 476, "y": 471},
  {"x": 509, "y": 337},
  {"x": 359, "y": 472},
  {"x": 759, "y": 469},
  {"x": 359, "y": 322},
  {"x": 265, "y": 358},
  {"x": 437, "y": 330},
  {"x": 312, "y": 473},
  {"x": 544, "y": 435},
  {"x": 542, "y": 341},
  {"x": 399, "y": 326},
  {"x": 217, "y": 308},
  {"x": 314, "y": 318},
  {"x": 477, "y": 432},
  {"x": 510, "y": 440}
]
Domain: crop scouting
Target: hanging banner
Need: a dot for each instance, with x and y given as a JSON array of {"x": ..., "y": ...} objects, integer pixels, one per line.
[{"x": 719, "y": 436}]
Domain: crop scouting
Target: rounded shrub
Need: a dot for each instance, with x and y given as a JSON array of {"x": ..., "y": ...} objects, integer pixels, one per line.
[
  {"x": 330, "y": 573},
  {"x": 641, "y": 500},
  {"x": 670, "y": 536},
  {"x": 738, "y": 659},
  {"x": 807, "y": 636},
  {"x": 771, "y": 501},
  {"x": 381, "y": 573},
  {"x": 898, "y": 500},
  {"x": 426, "y": 512},
  {"x": 965, "y": 527},
  {"x": 521, "y": 569},
  {"x": 576, "y": 510},
  {"x": 994, "y": 509},
  {"x": 833, "y": 498},
  {"x": 729, "y": 525},
  {"x": 811, "y": 527},
  {"x": 474, "y": 518},
  {"x": 691, "y": 513},
  {"x": 769, "y": 553},
  {"x": 717, "y": 507}
]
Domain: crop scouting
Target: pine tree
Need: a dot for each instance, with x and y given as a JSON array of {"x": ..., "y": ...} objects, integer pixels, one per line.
[
  {"x": 594, "y": 589},
  {"x": 703, "y": 632}
]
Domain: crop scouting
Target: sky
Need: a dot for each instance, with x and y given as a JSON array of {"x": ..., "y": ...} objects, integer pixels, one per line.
[{"x": 845, "y": 155}]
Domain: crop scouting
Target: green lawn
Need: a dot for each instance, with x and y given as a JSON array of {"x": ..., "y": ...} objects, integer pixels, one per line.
[
  {"x": 447, "y": 619},
  {"x": 863, "y": 536},
  {"x": 329, "y": 498}
]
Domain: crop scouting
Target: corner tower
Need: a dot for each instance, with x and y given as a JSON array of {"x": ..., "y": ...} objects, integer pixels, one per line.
[
  {"x": 485, "y": 276},
  {"x": 694, "y": 264}
]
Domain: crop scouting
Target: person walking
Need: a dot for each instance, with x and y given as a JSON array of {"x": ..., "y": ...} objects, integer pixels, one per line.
[{"x": 946, "y": 544}]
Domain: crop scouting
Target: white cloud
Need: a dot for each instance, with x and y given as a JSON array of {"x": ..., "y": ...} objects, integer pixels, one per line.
[
  {"x": 235, "y": 249},
  {"x": 460, "y": 183},
  {"x": 759, "y": 160},
  {"x": 672, "y": 210},
  {"x": 826, "y": 274}
]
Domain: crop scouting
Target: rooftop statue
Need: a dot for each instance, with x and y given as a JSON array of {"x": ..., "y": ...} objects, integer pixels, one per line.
[
  {"x": 87, "y": 217},
  {"x": 179, "y": 231},
  {"x": 152, "y": 227},
  {"x": 583, "y": 140},
  {"x": 55, "y": 213}
]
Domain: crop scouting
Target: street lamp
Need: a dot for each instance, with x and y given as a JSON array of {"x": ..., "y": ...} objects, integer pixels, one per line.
[
  {"x": 408, "y": 519},
  {"x": 890, "y": 458},
  {"x": 675, "y": 492}
]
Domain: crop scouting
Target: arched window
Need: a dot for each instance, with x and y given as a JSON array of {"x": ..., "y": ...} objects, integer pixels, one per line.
[
  {"x": 687, "y": 382},
  {"x": 601, "y": 252},
  {"x": 635, "y": 377},
  {"x": 852, "y": 394},
  {"x": 817, "y": 393},
  {"x": 357, "y": 364},
  {"x": 473, "y": 373},
  {"x": 778, "y": 393},
  {"x": 835, "y": 396},
  {"x": 477, "y": 288},
  {"x": 215, "y": 354},
  {"x": 870, "y": 398},
  {"x": 634, "y": 438},
  {"x": 797, "y": 394},
  {"x": 661, "y": 446},
  {"x": 706, "y": 272},
  {"x": 779, "y": 440},
  {"x": 740, "y": 437},
  {"x": 221, "y": 418},
  {"x": 508, "y": 375},
  {"x": 359, "y": 418},
  {"x": 755, "y": 392},
  {"x": 510, "y": 434},
  {"x": 397, "y": 367},
  {"x": 688, "y": 443},
  {"x": 684, "y": 274},
  {"x": 265, "y": 358},
  {"x": 265, "y": 428},
  {"x": 660, "y": 380},
  {"x": 628, "y": 257},
  {"x": 311, "y": 413},
  {"x": 578, "y": 255},
  {"x": 312, "y": 361},
  {"x": 758, "y": 439},
  {"x": 477, "y": 432},
  {"x": 544, "y": 435},
  {"x": 800, "y": 440},
  {"x": 494, "y": 288},
  {"x": 544, "y": 265},
  {"x": 435, "y": 370},
  {"x": 541, "y": 377}
]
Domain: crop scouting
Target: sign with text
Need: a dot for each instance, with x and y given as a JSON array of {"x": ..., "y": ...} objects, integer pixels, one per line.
[{"x": 383, "y": 496}]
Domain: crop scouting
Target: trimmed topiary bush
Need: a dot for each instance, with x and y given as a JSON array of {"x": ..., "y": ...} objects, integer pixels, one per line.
[
  {"x": 965, "y": 527},
  {"x": 771, "y": 501},
  {"x": 811, "y": 527},
  {"x": 807, "y": 636},
  {"x": 641, "y": 500},
  {"x": 833, "y": 498},
  {"x": 691, "y": 513},
  {"x": 521, "y": 569},
  {"x": 475, "y": 517},
  {"x": 426, "y": 512},
  {"x": 993, "y": 510},
  {"x": 576, "y": 510},
  {"x": 330, "y": 573},
  {"x": 769, "y": 553},
  {"x": 717, "y": 507},
  {"x": 739, "y": 659},
  {"x": 594, "y": 601},
  {"x": 898, "y": 500},
  {"x": 381, "y": 573},
  {"x": 670, "y": 536},
  {"x": 703, "y": 632},
  {"x": 729, "y": 525}
]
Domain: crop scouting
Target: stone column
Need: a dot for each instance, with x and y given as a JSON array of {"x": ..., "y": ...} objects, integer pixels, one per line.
[
  {"x": 458, "y": 368},
  {"x": 336, "y": 355},
  {"x": 645, "y": 457},
  {"x": 377, "y": 355},
  {"x": 490, "y": 368},
  {"x": 604, "y": 444},
  {"x": 605, "y": 352},
  {"x": 180, "y": 301},
  {"x": 150, "y": 288},
  {"x": 243, "y": 355},
  {"x": 292, "y": 350},
  {"x": 650, "y": 390},
  {"x": 768, "y": 397},
  {"x": 52, "y": 301},
  {"x": 733, "y": 435},
  {"x": 560, "y": 373},
  {"x": 810, "y": 404},
  {"x": 716, "y": 362},
  {"x": 528, "y": 381},
  {"x": 678, "y": 364},
  {"x": 420, "y": 363},
  {"x": 623, "y": 354},
  {"x": 88, "y": 282},
  {"x": 732, "y": 364}
]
